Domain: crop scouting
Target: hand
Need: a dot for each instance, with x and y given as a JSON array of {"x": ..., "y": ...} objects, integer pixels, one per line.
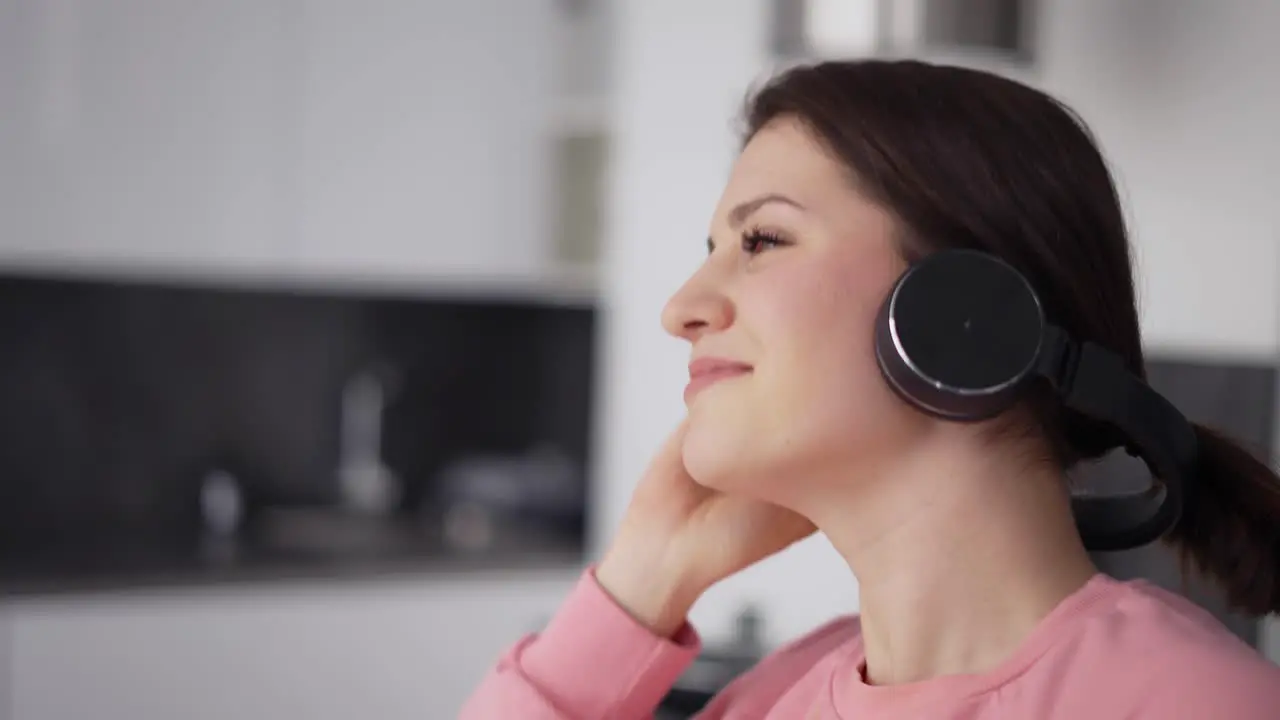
[{"x": 679, "y": 538}]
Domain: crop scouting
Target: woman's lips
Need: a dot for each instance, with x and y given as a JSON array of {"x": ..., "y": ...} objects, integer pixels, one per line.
[{"x": 705, "y": 372}]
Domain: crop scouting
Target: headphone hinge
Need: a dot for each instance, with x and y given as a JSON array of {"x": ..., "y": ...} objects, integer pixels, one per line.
[{"x": 1058, "y": 360}]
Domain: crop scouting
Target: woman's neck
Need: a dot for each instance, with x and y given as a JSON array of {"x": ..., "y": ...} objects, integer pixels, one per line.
[{"x": 957, "y": 562}]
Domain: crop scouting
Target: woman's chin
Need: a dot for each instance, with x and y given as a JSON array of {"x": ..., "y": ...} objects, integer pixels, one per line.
[
  {"x": 705, "y": 471},
  {"x": 719, "y": 460},
  {"x": 710, "y": 460}
]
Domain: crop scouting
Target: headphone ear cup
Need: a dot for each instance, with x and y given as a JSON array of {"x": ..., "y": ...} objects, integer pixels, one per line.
[{"x": 959, "y": 334}]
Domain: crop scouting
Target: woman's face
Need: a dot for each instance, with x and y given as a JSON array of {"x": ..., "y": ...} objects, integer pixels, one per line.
[{"x": 798, "y": 267}]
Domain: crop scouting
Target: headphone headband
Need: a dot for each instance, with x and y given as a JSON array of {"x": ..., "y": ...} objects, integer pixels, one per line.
[
  {"x": 1095, "y": 383},
  {"x": 962, "y": 335}
]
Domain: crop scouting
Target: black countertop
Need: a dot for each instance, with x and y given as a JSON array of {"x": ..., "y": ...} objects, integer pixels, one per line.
[{"x": 319, "y": 547}]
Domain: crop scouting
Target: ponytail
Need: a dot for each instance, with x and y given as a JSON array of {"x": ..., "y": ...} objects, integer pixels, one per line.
[{"x": 1230, "y": 526}]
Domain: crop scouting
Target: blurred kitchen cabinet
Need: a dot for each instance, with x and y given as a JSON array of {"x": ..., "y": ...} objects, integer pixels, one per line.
[
  {"x": 141, "y": 133},
  {"x": 383, "y": 140},
  {"x": 581, "y": 129},
  {"x": 384, "y": 650},
  {"x": 419, "y": 140},
  {"x": 581, "y": 162}
]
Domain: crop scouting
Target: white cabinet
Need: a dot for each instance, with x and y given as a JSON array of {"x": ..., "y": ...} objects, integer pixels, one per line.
[
  {"x": 140, "y": 133},
  {"x": 322, "y": 138},
  {"x": 387, "y": 650},
  {"x": 420, "y": 141}
]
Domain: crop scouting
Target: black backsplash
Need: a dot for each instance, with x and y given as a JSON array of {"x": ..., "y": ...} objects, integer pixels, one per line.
[{"x": 117, "y": 401}]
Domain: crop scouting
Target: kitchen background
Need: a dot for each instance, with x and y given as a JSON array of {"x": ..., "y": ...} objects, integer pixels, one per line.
[{"x": 330, "y": 329}]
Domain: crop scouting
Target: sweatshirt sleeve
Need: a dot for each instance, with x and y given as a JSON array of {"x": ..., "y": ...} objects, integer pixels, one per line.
[{"x": 592, "y": 661}]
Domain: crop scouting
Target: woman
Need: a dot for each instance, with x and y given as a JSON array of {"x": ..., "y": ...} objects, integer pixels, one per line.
[{"x": 978, "y": 598}]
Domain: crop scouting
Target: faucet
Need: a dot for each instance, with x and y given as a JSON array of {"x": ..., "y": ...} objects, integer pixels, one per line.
[{"x": 367, "y": 485}]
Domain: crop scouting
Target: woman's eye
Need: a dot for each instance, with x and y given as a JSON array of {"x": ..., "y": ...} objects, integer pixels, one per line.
[{"x": 757, "y": 241}]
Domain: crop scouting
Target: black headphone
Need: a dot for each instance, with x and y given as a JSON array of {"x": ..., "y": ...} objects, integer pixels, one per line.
[{"x": 963, "y": 334}]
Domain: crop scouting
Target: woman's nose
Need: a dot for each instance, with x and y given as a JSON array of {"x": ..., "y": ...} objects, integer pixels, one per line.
[{"x": 699, "y": 307}]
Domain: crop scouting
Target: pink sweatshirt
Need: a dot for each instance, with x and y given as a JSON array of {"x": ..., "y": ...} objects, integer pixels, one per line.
[{"x": 1112, "y": 651}]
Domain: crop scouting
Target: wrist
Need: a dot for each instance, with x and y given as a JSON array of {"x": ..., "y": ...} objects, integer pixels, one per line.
[{"x": 647, "y": 589}]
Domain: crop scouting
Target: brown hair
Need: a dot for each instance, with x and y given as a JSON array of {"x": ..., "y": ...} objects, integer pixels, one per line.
[{"x": 969, "y": 159}]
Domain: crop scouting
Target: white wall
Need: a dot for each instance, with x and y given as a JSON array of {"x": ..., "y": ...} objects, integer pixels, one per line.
[
  {"x": 1174, "y": 89},
  {"x": 1181, "y": 93}
]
